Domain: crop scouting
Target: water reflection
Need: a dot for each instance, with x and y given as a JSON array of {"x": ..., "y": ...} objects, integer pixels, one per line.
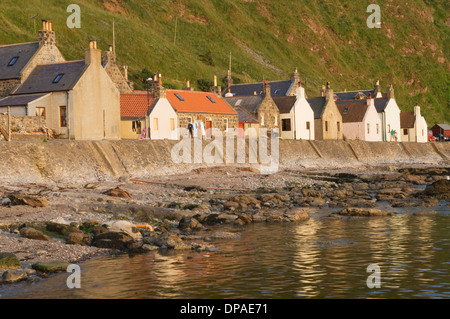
[{"x": 321, "y": 258}]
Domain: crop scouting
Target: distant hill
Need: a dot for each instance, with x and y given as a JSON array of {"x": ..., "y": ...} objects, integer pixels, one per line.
[{"x": 327, "y": 40}]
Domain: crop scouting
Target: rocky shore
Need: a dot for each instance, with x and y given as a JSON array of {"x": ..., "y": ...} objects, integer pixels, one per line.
[{"x": 44, "y": 228}]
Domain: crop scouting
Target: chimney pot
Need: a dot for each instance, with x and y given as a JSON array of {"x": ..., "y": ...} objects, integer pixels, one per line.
[
  {"x": 49, "y": 25},
  {"x": 215, "y": 80},
  {"x": 188, "y": 84}
]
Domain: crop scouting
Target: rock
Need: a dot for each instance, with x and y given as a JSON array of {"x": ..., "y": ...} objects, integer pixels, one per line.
[
  {"x": 365, "y": 212},
  {"x": 430, "y": 202},
  {"x": 125, "y": 227},
  {"x": 212, "y": 219},
  {"x": 296, "y": 215},
  {"x": 78, "y": 238},
  {"x": 118, "y": 192},
  {"x": 425, "y": 213},
  {"x": 31, "y": 233},
  {"x": 195, "y": 188},
  {"x": 243, "y": 220},
  {"x": 34, "y": 201},
  {"x": 221, "y": 235},
  {"x": 228, "y": 218},
  {"x": 147, "y": 247},
  {"x": 112, "y": 240},
  {"x": 439, "y": 190},
  {"x": 310, "y": 193},
  {"x": 201, "y": 247},
  {"x": 99, "y": 230},
  {"x": 51, "y": 266},
  {"x": 189, "y": 224},
  {"x": 9, "y": 261},
  {"x": 167, "y": 241},
  {"x": 243, "y": 199},
  {"x": 61, "y": 229},
  {"x": 229, "y": 205},
  {"x": 259, "y": 218},
  {"x": 14, "y": 275}
]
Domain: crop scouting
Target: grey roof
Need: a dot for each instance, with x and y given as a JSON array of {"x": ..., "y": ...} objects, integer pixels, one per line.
[
  {"x": 277, "y": 88},
  {"x": 444, "y": 126},
  {"x": 23, "y": 51},
  {"x": 41, "y": 79},
  {"x": 380, "y": 104},
  {"x": 248, "y": 103},
  {"x": 244, "y": 116},
  {"x": 317, "y": 105},
  {"x": 20, "y": 100},
  {"x": 351, "y": 94},
  {"x": 285, "y": 103}
]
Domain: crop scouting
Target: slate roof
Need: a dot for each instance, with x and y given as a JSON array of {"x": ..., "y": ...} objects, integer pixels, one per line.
[
  {"x": 244, "y": 116},
  {"x": 198, "y": 102},
  {"x": 445, "y": 127},
  {"x": 285, "y": 103},
  {"x": 407, "y": 119},
  {"x": 352, "y": 111},
  {"x": 351, "y": 94},
  {"x": 21, "y": 100},
  {"x": 24, "y": 52},
  {"x": 249, "y": 103},
  {"x": 135, "y": 105},
  {"x": 317, "y": 105},
  {"x": 277, "y": 88},
  {"x": 41, "y": 78},
  {"x": 380, "y": 104}
]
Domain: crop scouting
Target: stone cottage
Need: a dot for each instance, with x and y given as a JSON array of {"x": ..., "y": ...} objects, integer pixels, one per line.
[{"x": 327, "y": 118}]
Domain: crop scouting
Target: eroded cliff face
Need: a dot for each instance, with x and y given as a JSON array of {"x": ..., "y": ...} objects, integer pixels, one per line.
[{"x": 80, "y": 162}]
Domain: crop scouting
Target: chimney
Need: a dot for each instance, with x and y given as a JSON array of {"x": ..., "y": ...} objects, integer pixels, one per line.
[
  {"x": 160, "y": 91},
  {"x": 391, "y": 94},
  {"x": 417, "y": 110},
  {"x": 188, "y": 86},
  {"x": 125, "y": 68},
  {"x": 329, "y": 94},
  {"x": 295, "y": 77},
  {"x": 322, "y": 91},
  {"x": 377, "y": 91},
  {"x": 46, "y": 36},
  {"x": 300, "y": 92},
  {"x": 229, "y": 80},
  {"x": 216, "y": 89},
  {"x": 93, "y": 55},
  {"x": 266, "y": 89}
]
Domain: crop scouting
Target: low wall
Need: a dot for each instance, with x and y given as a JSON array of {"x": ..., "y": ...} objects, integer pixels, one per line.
[
  {"x": 26, "y": 123},
  {"x": 78, "y": 162}
]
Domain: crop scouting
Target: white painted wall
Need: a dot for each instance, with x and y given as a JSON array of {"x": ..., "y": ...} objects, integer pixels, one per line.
[
  {"x": 392, "y": 115},
  {"x": 371, "y": 117},
  {"x": 302, "y": 113},
  {"x": 163, "y": 111}
]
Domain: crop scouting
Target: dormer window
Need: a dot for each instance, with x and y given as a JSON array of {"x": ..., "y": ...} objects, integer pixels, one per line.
[
  {"x": 58, "y": 78},
  {"x": 13, "y": 61}
]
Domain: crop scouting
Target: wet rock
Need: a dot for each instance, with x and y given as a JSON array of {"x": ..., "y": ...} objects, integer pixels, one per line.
[
  {"x": 14, "y": 275},
  {"x": 246, "y": 200},
  {"x": 439, "y": 190},
  {"x": 97, "y": 230},
  {"x": 112, "y": 240},
  {"x": 307, "y": 192},
  {"x": 430, "y": 202},
  {"x": 425, "y": 213},
  {"x": 189, "y": 224},
  {"x": 9, "y": 261},
  {"x": 229, "y": 205},
  {"x": 78, "y": 238},
  {"x": 61, "y": 229},
  {"x": 296, "y": 215},
  {"x": 259, "y": 218},
  {"x": 195, "y": 188},
  {"x": 50, "y": 266},
  {"x": 211, "y": 219},
  {"x": 147, "y": 247},
  {"x": 31, "y": 233},
  {"x": 118, "y": 192},
  {"x": 359, "y": 203},
  {"x": 125, "y": 227},
  {"x": 201, "y": 247},
  {"x": 243, "y": 220},
  {"x": 221, "y": 235},
  {"x": 227, "y": 218},
  {"x": 167, "y": 241},
  {"x": 365, "y": 212},
  {"x": 34, "y": 201}
]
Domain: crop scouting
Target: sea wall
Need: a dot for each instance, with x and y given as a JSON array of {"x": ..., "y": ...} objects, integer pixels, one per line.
[{"x": 78, "y": 162}]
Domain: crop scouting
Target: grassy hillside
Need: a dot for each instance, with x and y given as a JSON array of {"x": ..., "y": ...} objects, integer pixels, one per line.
[{"x": 328, "y": 40}]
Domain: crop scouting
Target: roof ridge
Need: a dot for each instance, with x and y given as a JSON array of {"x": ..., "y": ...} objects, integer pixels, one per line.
[
  {"x": 54, "y": 63},
  {"x": 13, "y": 44}
]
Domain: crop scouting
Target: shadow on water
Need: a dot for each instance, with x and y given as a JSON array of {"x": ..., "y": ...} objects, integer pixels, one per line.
[{"x": 322, "y": 258}]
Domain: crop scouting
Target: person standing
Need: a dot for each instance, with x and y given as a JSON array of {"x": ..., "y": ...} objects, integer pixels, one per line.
[{"x": 190, "y": 129}]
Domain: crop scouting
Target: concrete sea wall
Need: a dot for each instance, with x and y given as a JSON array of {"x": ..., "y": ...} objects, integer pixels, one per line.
[{"x": 78, "y": 162}]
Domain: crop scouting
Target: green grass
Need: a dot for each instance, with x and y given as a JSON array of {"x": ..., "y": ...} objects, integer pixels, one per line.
[{"x": 326, "y": 40}]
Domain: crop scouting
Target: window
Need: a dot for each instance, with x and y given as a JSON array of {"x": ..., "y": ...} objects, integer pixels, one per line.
[
  {"x": 13, "y": 61},
  {"x": 40, "y": 111},
  {"x": 155, "y": 124},
  {"x": 378, "y": 129},
  {"x": 308, "y": 126},
  {"x": 179, "y": 97},
  {"x": 276, "y": 120},
  {"x": 405, "y": 131},
  {"x": 172, "y": 124},
  {"x": 286, "y": 125},
  {"x": 211, "y": 99},
  {"x": 326, "y": 126},
  {"x": 368, "y": 128},
  {"x": 338, "y": 126},
  {"x": 136, "y": 127},
  {"x": 58, "y": 78},
  {"x": 422, "y": 133},
  {"x": 277, "y": 91},
  {"x": 63, "y": 116},
  {"x": 262, "y": 119},
  {"x": 346, "y": 110},
  {"x": 226, "y": 125}
]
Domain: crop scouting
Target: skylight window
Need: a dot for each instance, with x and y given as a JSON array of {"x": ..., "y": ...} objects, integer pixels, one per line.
[
  {"x": 346, "y": 110},
  {"x": 13, "y": 61},
  {"x": 277, "y": 91},
  {"x": 179, "y": 97},
  {"x": 211, "y": 99},
  {"x": 58, "y": 78}
]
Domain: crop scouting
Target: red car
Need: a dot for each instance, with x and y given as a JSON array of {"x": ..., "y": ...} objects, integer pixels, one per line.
[{"x": 431, "y": 138}]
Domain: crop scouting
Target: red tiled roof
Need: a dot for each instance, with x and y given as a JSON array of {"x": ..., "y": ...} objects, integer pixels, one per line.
[
  {"x": 135, "y": 104},
  {"x": 197, "y": 102}
]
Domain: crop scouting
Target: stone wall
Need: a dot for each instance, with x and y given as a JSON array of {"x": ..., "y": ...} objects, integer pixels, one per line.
[
  {"x": 271, "y": 114},
  {"x": 6, "y": 86},
  {"x": 26, "y": 123},
  {"x": 218, "y": 120},
  {"x": 111, "y": 67}
]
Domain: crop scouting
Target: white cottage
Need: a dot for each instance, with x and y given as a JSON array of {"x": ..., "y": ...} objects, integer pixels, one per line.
[{"x": 414, "y": 128}]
